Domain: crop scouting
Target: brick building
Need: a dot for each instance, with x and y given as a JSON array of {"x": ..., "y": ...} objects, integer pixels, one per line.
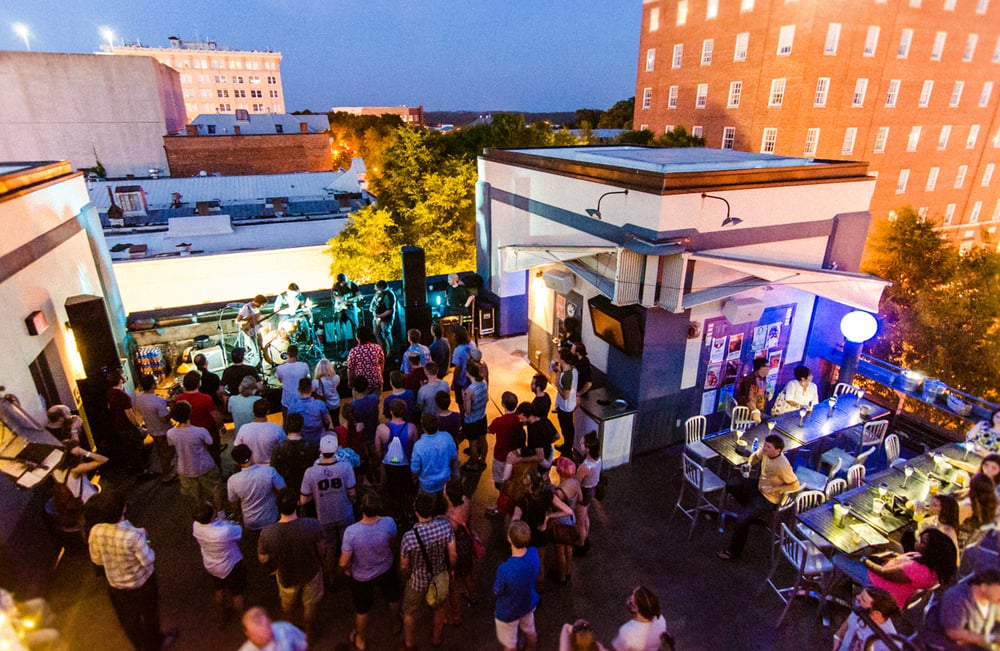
[{"x": 907, "y": 85}]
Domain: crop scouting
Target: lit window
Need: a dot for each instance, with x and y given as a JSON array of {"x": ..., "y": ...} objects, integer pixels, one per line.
[
  {"x": 881, "y": 137},
  {"x": 987, "y": 175},
  {"x": 996, "y": 215},
  {"x": 905, "y": 38},
  {"x": 850, "y": 134},
  {"x": 735, "y": 90},
  {"x": 669, "y": 129},
  {"x": 728, "y": 137},
  {"x": 996, "y": 51},
  {"x": 970, "y": 47},
  {"x": 812, "y": 141},
  {"x": 672, "y": 97},
  {"x": 860, "y": 87},
  {"x": 892, "y": 93},
  {"x": 678, "y": 55},
  {"x": 871, "y": 41},
  {"x": 925, "y": 93},
  {"x": 769, "y": 140},
  {"x": 944, "y": 136},
  {"x": 915, "y": 4},
  {"x": 832, "y": 39},
  {"x": 984, "y": 97},
  {"x": 938, "y": 48},
  {"x": 904, "y": 176},
  {"x": 654, "y": 19},
  {"x": 932, "y": 177},
  {"x": 742, "y": 44},
  {"x": 647, "y": 97},
  {"x": 650, "y": 59},
  {"x": 949, "y": 5},
  {"x": 698, "y": 131},
  {"x": 643, "y": 127},
  {"x": 981, "y": 6},
  {"x": 914, "y": 139},
  {"x": 785, "y": 38},
  {"x": 949, "y": 214},
  {"x": 922, "y": 213},
  {"x": 822, "y": 88},
  {"x": 712, "y": 9},
  {"x": 746, "y": 5},
  {"x": 956, "y": 93},
  {"x": 682, "y": 12},
  {"x": 777, "y": 92},
  {"x": 970, "y": 142},
  {"x": 977, "y": 208},
  {"x": 960, "y": 176},
  {"x": 996, "y": 139},
  {"x": 706, "y": 51},
  {"x": 701, "y": 99}
]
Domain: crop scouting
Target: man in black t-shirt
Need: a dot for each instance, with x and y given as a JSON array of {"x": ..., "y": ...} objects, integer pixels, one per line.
[
  {"x": 542, "y": 403},
  {"x": 459, "y": 299},
  {"x": 384, "y": 315},
  {"x": 210, "y": 383},
  {"x": 234, "y": 374}
]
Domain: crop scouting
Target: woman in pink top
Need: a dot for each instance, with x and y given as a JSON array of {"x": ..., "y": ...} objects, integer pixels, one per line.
[{"x": 902, "y": 575}]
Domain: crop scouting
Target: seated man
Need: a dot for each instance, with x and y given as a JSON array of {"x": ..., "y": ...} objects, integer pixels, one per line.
[
  {"x": 854, "y": 632},
  {"x": 752, "y": 389},
  {"x": 966, "y": 616}
]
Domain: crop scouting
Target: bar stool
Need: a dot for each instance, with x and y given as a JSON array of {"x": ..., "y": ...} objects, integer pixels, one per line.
[
  {"x": 811, "y": 567},
  {"x": 694, "y": 430},
  {"x": 704, "y": 482}
]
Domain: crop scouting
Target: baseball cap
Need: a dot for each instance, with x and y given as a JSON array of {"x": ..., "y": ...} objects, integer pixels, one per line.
[{"x": 328, "y": 444}]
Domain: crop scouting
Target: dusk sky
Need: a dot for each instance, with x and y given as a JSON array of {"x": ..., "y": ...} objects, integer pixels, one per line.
[{"x": 526, "y": 55}]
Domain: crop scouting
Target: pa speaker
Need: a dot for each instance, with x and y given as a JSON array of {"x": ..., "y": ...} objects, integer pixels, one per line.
[
  {"x": 92, "y": 330},
  {"x": 94, "y": 405},
  {"x": 559, "y": 281},
  {"x": 414, "y": 276},
  {"x": 419, "y": 317}
]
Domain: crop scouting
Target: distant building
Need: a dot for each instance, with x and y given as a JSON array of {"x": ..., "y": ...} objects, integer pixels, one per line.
[
  {"x": 908, "y": 86},
  {"x": 409, "y": 114},
  {"x": 218, "y": 80},
  {"x": 88, "y": 108},
  {"x": 245, "y": 143}
]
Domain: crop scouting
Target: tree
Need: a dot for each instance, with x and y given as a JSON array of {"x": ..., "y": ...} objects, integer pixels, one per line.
[{"x": 618, "y": 116}]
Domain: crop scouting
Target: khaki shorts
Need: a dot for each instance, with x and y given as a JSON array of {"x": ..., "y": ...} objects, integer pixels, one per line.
[
  {"x": 507, "y": 631},
  {"x": 497, "y": 469},
  {"x": 415, "y": 602},
  {"x": 311, "y": 591},
  {"x": 202, "y": 488}
]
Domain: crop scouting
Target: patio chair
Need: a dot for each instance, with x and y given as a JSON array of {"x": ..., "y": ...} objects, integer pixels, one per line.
[
  {"x": 805, "y": 501},
  {"x": 780, "y": 516},
  {"x": 704, "y": 483},
  {"x": 810, "y": 479},
  {"x": 741, "y": 418},
  {"x": 812, "y": 567},
  {"x": 916, "y": 611},
  {"x": 694, "y": 430},
  {"x": 871, "y": 437},
  {"x": 842, "y": 389},
  {"x": 835, "y": 487},
  {"x": 855, "y": 475},
  {"x": 891, "y": 445}
]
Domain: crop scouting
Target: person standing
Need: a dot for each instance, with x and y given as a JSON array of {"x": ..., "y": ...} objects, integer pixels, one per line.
[
  {"x": 394, "y": 441},
  {"x": 200, "y": 477},
  {"x": 233, "y": 374},
  {"x": 128, "y": 432},
  {"x": 315, "y": 415},
  {"x": 416, "y": 377},
  {"x": 155, "y": 414},
  {"x": 249, "y": 318},
  {"x": 330, "y": 483},
  {"x": 541, "y": 402},
  {"x": 460, "y": 360},
  {"x": 325, "y": 383},
  {"x": 367, "y": 360},
  {"x": 426, "y": 550},
  {"x": 440, "y": 350},
  {"x": 293, "y": 456},
  {"x": 211, "y": 384},
  {"x": 265, "y": 635},
  {"x": 203, "y": 412},
  {"x": 584, "y": 369},
  {"x": 241, "y": 403},
  {"x": 751, "y": 392},
  {"x": 476, "y": 397},
  {"x": 384, "y": 315},
  {"x": 425, "y": 396},
  {"x": 289, "y": 374},
  {"x": 644, "y": 630},
  {"x": 435, "y": 457},
  {"x": 252, "y": 490},
  {"x": 514, "y": 588},
  {"x": 413, "y": 338},
  {"x": 260, "y": 435},
  {"x": 220, "y": 553},
  {"x": 123, "y": 551},
  {"x": 509, "y": 435},
  {"x": 567, "y": 380},
  {"x": 346, "y": 295}
]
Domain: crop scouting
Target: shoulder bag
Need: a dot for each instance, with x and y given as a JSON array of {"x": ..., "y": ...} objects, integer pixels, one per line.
[{"x": 437, "y": 589}]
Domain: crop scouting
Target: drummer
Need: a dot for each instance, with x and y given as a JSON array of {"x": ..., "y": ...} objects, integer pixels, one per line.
[{"x": 289, "y": 303}]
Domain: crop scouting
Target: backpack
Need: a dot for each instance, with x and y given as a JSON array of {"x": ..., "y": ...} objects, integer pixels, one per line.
[
  {"x": 395, "y": 454},
  {"x": 520, "y": 481}
]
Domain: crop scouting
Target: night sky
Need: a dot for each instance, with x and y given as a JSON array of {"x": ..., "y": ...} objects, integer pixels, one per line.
[{"x": 525, "y": 55}]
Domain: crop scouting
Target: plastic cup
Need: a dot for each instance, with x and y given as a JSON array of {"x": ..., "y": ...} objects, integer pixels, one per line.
[
  {"x": 878, "y": 504},
  {"x": 839, "y": 513},
  {"x": 745, "y": 470}
]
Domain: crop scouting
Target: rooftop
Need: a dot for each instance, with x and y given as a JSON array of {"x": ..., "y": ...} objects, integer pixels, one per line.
[{"x": 258, "y": 123}]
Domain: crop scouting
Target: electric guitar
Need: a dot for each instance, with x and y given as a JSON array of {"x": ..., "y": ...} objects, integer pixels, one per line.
[{"x": 247, "y": 325}]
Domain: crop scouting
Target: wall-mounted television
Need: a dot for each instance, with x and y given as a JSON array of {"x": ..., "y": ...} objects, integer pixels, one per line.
[{"x": 619, "y": 326}]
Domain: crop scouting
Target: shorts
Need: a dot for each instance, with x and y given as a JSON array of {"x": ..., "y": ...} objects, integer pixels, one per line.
[
  {"x": 497, "y": 470},
  {"x": 311, "y": 592},
  {"x": 363, "y": 592},
  {"x": 235, "y": 581},
  {"x": 415, "y": 601},
  {"x": 204, "y": 487},
  {"x": 587, "y": 495},
  {"x": 474, "y": 430},
  {"x": 507, "y": 631}
]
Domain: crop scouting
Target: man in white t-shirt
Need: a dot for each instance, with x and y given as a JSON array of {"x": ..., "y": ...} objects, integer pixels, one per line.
[
  {"x": 260, "y": 435},
  {"x": 854, "y": 632},
  {"x": 289, "y": 374},
  {"x": 566, "y": 384}
]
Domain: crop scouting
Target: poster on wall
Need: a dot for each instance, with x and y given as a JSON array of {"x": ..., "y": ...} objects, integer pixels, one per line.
[
  {"x": 735, "y": 346},
  {"x": 712, "y": 376},
  {"x": 725, "y": 394},
  {"x": 731, "y": 371},
  {"x": 760, "y": 354},
  {"x": 707, "y": 403},
  {"x": 718, "y": 350},
  {"x": 759, "y": 339},
  {"x": 774, "y": 361},
  {"x": 560, "y": 307},
  {"x": 773, "y": 335}
]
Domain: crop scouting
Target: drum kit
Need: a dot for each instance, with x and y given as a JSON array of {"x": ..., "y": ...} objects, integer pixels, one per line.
[{"x": 281, "y": 330}]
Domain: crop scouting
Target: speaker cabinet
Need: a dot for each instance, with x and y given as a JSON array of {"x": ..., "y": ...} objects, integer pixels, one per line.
[
  {"x": 94, "y": 405},
  {"x": 419, "y": 317},
  {"x": 414, "y": 276},
  {"x": 95, "y": 340}
]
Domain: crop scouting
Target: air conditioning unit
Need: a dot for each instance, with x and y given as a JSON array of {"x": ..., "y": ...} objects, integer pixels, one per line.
[
  {"x": 559, "y": 281},
  {"x": 743, "y": 310}
]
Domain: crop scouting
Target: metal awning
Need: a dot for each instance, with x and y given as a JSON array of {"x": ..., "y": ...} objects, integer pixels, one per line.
[
  {"x": 519, "y": 257},
  {"x": 857, "y": 290}
]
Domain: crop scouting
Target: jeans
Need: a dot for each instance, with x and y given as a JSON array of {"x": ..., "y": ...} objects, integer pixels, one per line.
[
  {"x": 754, "y": 505},
  {"x": 567, "y": 427},
  {"x": 138, "y": 611}
]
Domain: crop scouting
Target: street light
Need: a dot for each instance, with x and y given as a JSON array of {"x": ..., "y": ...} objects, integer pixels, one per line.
[
  {"x": 23, "y": 32},
  {"x": 857, "y": 328},
  {"x": 596, "y": 212},
  {"x": 108, "y": 35}
]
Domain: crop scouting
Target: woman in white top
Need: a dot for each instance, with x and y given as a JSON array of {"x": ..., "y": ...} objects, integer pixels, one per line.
[
  {"x": 643, "y": 631},
  {"x": 588, "y": 473},
  {"x": 325, "y": 387},
  {"x": 801, "y": 392},
  {"x": 74, "y": 471}
]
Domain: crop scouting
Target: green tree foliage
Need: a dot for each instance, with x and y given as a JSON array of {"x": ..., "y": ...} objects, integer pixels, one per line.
[
  {"x": 364, "y": 136},
  {"x": 940, "y": 315},
  {"x": 679, "y": 137},
  {"x": 618, "y": 116}
]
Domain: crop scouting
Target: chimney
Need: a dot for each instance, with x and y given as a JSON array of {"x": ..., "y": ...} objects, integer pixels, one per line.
[
  {"x": 236, "y": 130},
  {"x": 191, "y": 129},
  {"x": 303, "y": 127}
]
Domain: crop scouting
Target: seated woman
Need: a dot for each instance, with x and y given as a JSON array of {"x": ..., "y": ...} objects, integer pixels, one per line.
[
  {"x": 990, "y": 466},
  {"x": 989, "y": 427},
  {"x": 942, "y": 513},
  {"x": 983, "y": 500},
  {"x": 902, "y": 575},
  {"x": 800, "y": 392}
]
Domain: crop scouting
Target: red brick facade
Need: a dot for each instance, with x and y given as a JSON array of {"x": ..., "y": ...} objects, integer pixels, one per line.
[
  {"x": 949, "y": 41},
  {"x": 248, "y": 154}
]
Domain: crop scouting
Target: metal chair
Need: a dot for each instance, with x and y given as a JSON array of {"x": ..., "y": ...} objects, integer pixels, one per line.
[
  {"x": 810, "y": 479},
  {"x": 842, "y": 389},
  {"x": 891, "y": 445},
  {"x": 704, "y": 482},
  {"x": 855, "y": 475},
  {"x": 694, "y": 429},
  {"x": 741, "y": 418},
  {"x": 805, "y": 501},
  {"x": 811, "y": 567},
  {"x": 835, "y": 487},
  {"x": 870, "y": 439},
  {"x": 781, "y": 516}
]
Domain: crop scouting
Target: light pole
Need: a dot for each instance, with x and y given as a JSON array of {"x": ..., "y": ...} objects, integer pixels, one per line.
[{"x": 23, "y": 32}]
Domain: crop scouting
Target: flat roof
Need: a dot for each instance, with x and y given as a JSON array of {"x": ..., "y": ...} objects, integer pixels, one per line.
[{"x": 669, "y": 160}]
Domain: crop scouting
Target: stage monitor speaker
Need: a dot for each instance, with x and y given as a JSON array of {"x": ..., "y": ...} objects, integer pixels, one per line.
[
  {"x": 414, "y": 276},
  {"x": 94, "y": 405},
  {"x": 419, "y": 317},
  {"x": 95, "y": 340},
  {"x": 213, "y": 355}
]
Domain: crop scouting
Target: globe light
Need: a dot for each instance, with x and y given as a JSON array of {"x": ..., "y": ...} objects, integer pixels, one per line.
[{"x": 858, "y": 327}]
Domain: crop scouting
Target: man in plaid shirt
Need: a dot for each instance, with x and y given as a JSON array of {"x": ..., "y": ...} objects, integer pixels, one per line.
[
  {"x": 439, "y": 541},
  {"x": 122, "y": 550}
]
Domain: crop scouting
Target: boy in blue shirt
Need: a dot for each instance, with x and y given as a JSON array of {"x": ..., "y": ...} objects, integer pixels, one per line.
[{"x": 515, "y": 589}]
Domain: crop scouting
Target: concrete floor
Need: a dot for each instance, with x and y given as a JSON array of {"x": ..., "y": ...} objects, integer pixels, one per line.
[{"x": 708, "y": 604}]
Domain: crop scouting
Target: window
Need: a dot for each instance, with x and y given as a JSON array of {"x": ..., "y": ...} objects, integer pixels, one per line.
[
  {"x": 996, "y": 51},
  {"x": 822, "y": 88},
  {"x": 881, "y": 137},
  {"x": 712, "y": 9},
  {"x": 205, "y": 93},
  {"x": 650, "y": 59},
  {"x": 237, "y": 80},
  {"x": 768, "y": 141},
  {"x": 701, "y": 99},
  {"x": 672, "y": 97},
  {"x": 949, "y": 5},
  {"x": 871, "y": 40},
  {"x": 698, "y": 131},
  {"x": 647, "y": 98},
  {"x": 987, "y": 175},
  {"x": 996, "y": 139},
  {"x": 220, "y": 79},
  {"x": 956, "y": 93},
  {"x": 938, "y": 48},
  {"x": 239, "y": 93},
  {"x": 777, "y": 92},
  {"x": 914, "y": 139},
  {"x": 678, "y": 55},
  {"x": 925, "y": 93},
  {"x": 668, "y": 129},
  {"x": 981, "y": 6},
  {"x": 932, "y": 177},
  {"x": 922, "y": 213},
  {"x": 185, "y": 79},
  {"x": 785, "y": 38},
  {"x": 949, "y": 214},
  {"x": 915, "y": 4},
  {"x": 225, "y": 108},
  {"x": 970, "y": 142},
  {"x": 812, "y": 141},
  {"x": 745, "y": 6},
  {"x": 728, "y": 137},
  {"x": 850, "y": 134},
  {"x": 742, "y": 44},
  {"x": 654, "y": 19},
  {"x": 960, "y": 176},
  {"x": 682, "y": 12},
  {"x": 272, "y": 80},
  {"x": 976, "y": 209},
  {"x": 944, "y": 136},
  {"x": 735, "y": 90},
  {"x": 256, "y": 93},
  {"x": 970, "y": 47},
  {"x": 984, "y": 97},
  {"x": 254, "y": 80},
  {"x": 892, "y": 93},
  {"x": 706, "y": 51},
  {"x": 273, "y": 93},
  {"x": 905, "y": 38},
  {"x": 832, "y": 39},
  {"x": 904, "y": 176},
  {"x": 860, "y": 87}
]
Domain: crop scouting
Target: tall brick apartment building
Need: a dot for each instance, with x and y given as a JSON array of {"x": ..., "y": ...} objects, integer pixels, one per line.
[{"x": 907, "y": 85}]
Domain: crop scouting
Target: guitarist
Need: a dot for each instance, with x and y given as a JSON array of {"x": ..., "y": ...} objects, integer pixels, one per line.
[
  {"x": 249, "y": 318},
  {"x": 346, "y": 295}
]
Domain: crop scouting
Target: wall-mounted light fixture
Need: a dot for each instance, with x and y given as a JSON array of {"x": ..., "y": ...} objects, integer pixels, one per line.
[
  {"x": 729, "y": 220},
  {"x": 596, "y": 212}
]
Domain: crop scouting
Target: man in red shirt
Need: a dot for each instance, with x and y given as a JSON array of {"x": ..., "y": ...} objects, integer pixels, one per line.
[
  {"x": 367, "y": 359},
  {"x": 509, "y": 436},
  {"x": 203, "y": 411}
]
